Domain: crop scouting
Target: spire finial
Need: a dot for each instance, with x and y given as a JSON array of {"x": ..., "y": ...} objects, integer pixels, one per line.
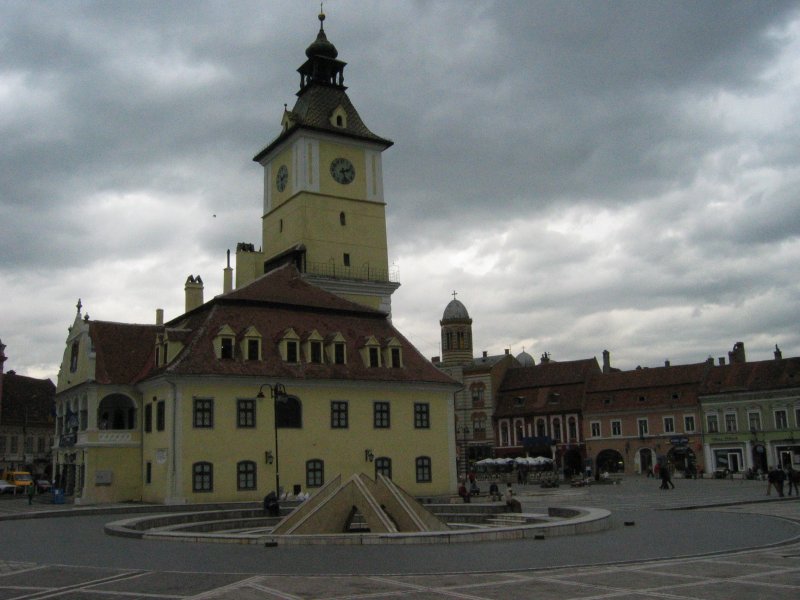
[
  {"x": 321, "y": 16},
  {"x": 454, "y": 294},
  {"x": 79, "y": 305}
]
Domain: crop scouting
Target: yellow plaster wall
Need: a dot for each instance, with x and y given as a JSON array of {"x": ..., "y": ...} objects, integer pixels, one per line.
[
  {"x": 126, "y": 481},
  {"x": 342, "y": 450}
]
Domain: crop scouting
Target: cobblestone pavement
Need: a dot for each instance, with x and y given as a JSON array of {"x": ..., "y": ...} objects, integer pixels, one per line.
[{"x": 552, "y": 573}]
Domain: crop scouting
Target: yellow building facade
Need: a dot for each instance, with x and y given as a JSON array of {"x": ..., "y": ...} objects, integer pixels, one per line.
[{"x": 171, "y": 412}]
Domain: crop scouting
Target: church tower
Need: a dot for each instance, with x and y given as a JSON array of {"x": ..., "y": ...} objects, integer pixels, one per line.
[
  {"x": 456, "y": 334},
  {"x": 324, "y": 208}
]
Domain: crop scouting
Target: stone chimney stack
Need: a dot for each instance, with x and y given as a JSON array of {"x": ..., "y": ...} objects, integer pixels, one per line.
[
  {"x": 778, "y": 353},
  {"x": 194, "y": 292},
  {"x": 485, "y": 354},
  {"x": 737, "y": 355},
  {"x": 159, "y": 316},
  {"x": 227, "y": 276},
  {"x": 3, "y": 358},
  {"x": 606, "y": 361},
  {"x": 722, "y": 360},
  {"x": 666, "y": 363}
]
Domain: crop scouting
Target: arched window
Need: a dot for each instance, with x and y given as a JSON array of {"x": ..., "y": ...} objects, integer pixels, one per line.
[
  {"x": 116, "y": 411},
  {"x": 383, "y": 465},
  {"x": 572, "y": 429},
  {"x": 541, "y": 428},
  {"x": 342, "y": 219},
  {"x": 423, "y": 469},
  {"x": 289, "y": 413},
  {"x": 504, "y": 434},
  {"x": 557, "y": 429},
  {"x": 246, "y": 475},
  {"x": 519, "y": 433},
  {"x": 315, "y": 473},
  {"x": 202, "y": 477}
]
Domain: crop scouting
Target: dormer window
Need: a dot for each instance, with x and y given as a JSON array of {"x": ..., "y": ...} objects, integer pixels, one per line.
[
  {"x": 371, "y": 352},
  {"x": 251, "y": 344},
  {"x": 290, "y": 346},
  {"x": 339, "y": 117},
  {"x": 335, "y": 349},
  {"x": 392, "y": 353},
  {"x": 312, "y": 347},
  {"x": 223, "y": 343}
]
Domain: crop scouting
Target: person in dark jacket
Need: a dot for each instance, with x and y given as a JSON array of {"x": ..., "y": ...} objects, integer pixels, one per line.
[{"x": 271, "y": 505}]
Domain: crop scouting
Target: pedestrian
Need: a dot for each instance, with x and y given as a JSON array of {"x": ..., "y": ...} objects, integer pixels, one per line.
[
  {"x": 780, "y": 477},
  {"x": 30, "y": 490},
  {"x": 666, "y": 480},
  {"x": 771, "y": 480},
  {"x": 793, "y": 478},
  {"x": 462, "y": 491},
  {"x": 494, "y": 492},
  {"x": 271, "y": 505},
  {"x": 512, "y": 502}
]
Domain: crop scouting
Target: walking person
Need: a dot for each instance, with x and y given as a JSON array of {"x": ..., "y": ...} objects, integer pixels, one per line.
[
  {"x": 792, "y": 478},
  {"x": 30, "y": 490},
  {"x": 666, "y": 480}
]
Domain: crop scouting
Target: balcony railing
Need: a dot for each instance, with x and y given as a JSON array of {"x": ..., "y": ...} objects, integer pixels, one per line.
[{"x": 363, "y": 273}]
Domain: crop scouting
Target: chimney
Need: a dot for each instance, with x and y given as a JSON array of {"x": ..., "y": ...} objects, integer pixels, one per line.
[
  {"x": 778, "y": 354},
  {"x": 485, "y": 354},
  {"x": 436, "y": 360},
  {"x": 545, "y": 358},
  {"x": 194, "y": 292},
  {"x": 606, "y": 361},
  {"x": 507, "y": 350},
  {"x": 159, "y": 316},
  {"x": 737, "y": 354},
  {"x": 722, "y": 361},
  {"x": 227, "y": 276},
  {"x": 666, "y": 363}
]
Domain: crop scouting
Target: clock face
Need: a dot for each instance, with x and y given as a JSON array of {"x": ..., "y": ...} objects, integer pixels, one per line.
[
  {"x": 342, "y": 170},
  {"x": 282, "y": 178}
]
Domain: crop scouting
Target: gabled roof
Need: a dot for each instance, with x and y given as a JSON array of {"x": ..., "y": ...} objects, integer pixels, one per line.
[
  {"x": 484, "y": 363},
  {"x": 123, "y": 351},
  {"x": 753, "y": 376},
  {"x": 26, "y": 400}
]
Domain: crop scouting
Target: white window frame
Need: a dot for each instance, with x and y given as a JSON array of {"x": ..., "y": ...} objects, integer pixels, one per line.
[
  {"x": 664, "y": 420},
  {"x": 618, "y": 423},
  {"x": 642, "y": 432},
  {"x": 694, "y": 424},
  {"x": 786, "y": 418},
  {"x": 735, "y": 416},
  {"x": 595, "y": 425}
]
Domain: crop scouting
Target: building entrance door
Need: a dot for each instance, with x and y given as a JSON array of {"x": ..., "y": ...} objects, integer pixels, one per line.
[{"x": 733, "y": 462}]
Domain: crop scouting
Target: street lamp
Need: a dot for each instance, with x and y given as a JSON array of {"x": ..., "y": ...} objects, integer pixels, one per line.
[{"x": 278, "y": 394}]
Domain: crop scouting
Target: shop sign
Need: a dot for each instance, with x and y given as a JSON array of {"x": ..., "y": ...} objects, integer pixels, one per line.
[{"x": 678, "y": 441}]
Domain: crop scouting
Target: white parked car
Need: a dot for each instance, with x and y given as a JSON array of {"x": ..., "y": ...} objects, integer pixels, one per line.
[{"x": 7, "y": 488}]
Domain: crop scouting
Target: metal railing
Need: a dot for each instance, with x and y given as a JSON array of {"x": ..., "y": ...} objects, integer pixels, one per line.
[{"x": 363, "y": 273}]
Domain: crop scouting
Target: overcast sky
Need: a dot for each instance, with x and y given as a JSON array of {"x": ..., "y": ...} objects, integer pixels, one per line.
[{"x": 586, "y": 175}]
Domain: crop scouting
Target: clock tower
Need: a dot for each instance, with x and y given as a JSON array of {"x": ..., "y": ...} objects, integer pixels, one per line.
[{"x": 324, "y": 208}]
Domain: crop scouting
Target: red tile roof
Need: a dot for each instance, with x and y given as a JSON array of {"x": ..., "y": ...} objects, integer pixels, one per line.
[
  {"x": 27, "y": 400},
  {"x": 123, "y": 351},
  {"x": 753, "y": 376}
]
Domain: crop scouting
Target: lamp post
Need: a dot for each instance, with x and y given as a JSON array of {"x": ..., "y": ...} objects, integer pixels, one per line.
[{"x": 278, "y": 394}]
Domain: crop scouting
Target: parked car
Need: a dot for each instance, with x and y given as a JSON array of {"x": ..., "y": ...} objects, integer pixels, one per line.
[
  {"x": 42, "y": 486},
  {"x": 7, "y": 488}
]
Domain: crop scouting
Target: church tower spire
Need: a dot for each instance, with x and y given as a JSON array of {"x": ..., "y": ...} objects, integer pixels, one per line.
[{"x": 456, "y": 327}]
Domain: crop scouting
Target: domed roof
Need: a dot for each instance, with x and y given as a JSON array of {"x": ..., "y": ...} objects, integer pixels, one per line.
[
  {"x": 455, "y": 310},
  {"x": 321, "y": 46},
  {"x": 525, "y": 359}
]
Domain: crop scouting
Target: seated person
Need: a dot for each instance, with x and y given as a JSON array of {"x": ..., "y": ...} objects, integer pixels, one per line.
[
  {"x": 512, "y": 502},
  {"x": 494, "y": 492}
]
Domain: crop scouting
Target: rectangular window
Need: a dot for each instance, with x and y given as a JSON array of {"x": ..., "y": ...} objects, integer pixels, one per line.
[
  {"x": 203, "y": 413},
  {"x": 688, "y": 423},
  {"x": 643, "y": 427},
  {"x": 374, "y": 361},
  {"x": 28, "y": 444},
  {"x": 245, "y": 413},
  {"x": 148, "y": 418},
  {"x": 14, "y": 444},
  {"x": 226, "y": 347},
  {"x": 781, "y": 419},
  {"x": 315, "y": 473},
  {"x": 797, "y": 417},
  {"x": 339, "y": 414},
  {"x": 148, "y": 472},
  {"x": 730, "y": 423},
  {"x": 479, "y": 425},
  {"x": 669, "y": 425},
  {"x": 84, "y": 420},
  {"x": 40, "y": 445},
  {"x": 423, "y": 464},
  {"x": 253, "y": 347},
  {"x": 395, "y": 358},
  {"x": 346, "y": 259},
  {"x": 595, "y": 429},
  {"x": 161, "y": 415},
  {"x": 2, "y": 444},
  {"x": 291, "y": 351},
  {"x": 338, "y": 353},
  {"x": 381, "y": 415},
  {"x": 202, "y": 477},
  {"x": 616, "y": 428},
  {"x": 422, "y": 415},
  {"x": 713, "y": 423},
  {"x": 246, "y": 475},
  {"x": 316, "y": 352},
  {"x": 754, "y": 421}
]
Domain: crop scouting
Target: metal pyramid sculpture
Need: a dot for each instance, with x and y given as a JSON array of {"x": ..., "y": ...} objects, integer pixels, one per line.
[{"x": 383, "y": 506}]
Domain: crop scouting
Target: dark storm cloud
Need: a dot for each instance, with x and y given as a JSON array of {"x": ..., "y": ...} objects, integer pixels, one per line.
[{"x": 585, "y": 174}]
